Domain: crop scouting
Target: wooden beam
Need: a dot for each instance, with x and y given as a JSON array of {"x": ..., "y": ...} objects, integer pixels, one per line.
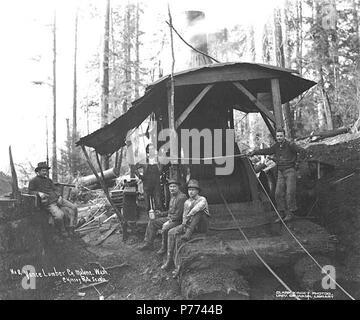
[
  {"x": 253, "y": 99},
  {"x": 276, "y": 97},
  {"x": 192, "y": 105},
  {"x": 101, "y": 171},
  {"x": 174, "y": 151},
  {"x": 171, "y": 102},
  {"x": 214, "y": 75},
  {"x": 253, "y": 182},
  {"x": 270, "y": 127}
]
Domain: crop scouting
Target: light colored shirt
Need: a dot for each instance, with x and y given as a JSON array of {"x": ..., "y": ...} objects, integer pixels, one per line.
[{"x": 194, "y": 205}]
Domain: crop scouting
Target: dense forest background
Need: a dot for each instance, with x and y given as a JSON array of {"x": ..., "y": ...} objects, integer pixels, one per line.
[{"x": 319, "y": 39}]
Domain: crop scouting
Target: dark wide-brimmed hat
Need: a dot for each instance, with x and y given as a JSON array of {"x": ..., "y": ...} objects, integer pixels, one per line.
[
  {"x": 193, "y": 184},
  {"x": 173, "y": 181},
  {"x": 42, "y": 165}
]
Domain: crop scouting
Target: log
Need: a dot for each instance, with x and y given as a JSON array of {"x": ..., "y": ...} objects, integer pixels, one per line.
[
  {"x": 109, "y": 174},
  {"x": 215, "y": 283},
  {"x": 316, "y": 136},
  {"x": 239, "y": 255}
]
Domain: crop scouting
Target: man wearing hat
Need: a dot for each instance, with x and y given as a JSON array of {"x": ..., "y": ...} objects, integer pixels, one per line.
[
  {"x": 51, "y": 198},
  {"x": 150, "y": 177},
  {"x": 196, "y": 212},
  {"x": 167, "y": 219}
]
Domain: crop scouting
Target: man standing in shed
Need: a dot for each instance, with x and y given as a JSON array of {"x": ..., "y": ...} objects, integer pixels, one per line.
[{"x": 286, "y": 158}]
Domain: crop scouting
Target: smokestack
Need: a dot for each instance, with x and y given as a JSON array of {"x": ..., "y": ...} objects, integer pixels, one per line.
[{"x": 198, "y": 38}]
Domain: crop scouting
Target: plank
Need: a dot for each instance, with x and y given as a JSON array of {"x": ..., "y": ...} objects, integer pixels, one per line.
[
  {"x": 106, "y": 235},
  {"x": 192, "y": 105},
  {"x": 253, "y": 99},
  {"x": 213, "y": 75}
]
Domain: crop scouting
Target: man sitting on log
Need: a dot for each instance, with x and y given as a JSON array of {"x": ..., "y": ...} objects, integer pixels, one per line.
[
  {"x": 167, "y": 219},
  {"x": 52, "y": 200},
  {"x": 286, "y": 156},
  {"x": 195, "y": 215}
]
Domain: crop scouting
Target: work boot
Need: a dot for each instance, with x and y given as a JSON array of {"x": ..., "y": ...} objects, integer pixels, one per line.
[
  {"x": 282, "y": 215},
  {"x": 289, "y": 216},
  {"x": 163, "y": 245},
  {"x": 169, "y": 263},
  {"x": 146, "y": 246}
]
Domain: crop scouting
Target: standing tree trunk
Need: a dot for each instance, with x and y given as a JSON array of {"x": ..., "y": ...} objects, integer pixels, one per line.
[
  {"x": 280, "y": 61},
  {"x": 127, "y": 56},
  {"x": 105, "y": 79},
  {"x": 334, "y": 52},
  {"x": 355, "y": 10},
  {"x": 137, "y": 52},
  {"x": 322, "y": 50},
  {"x": 74, "y": 125},
  {"x": 54, "y": 156},
  {"x": 68, "y": 165},
  {"x": 299, "y": 44},
  {"x": 251, "y": 118},
  {"x": 47, "y": 141}
]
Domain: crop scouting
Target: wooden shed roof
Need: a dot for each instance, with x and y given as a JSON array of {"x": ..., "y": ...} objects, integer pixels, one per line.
[{"x": 255, "y": 77}]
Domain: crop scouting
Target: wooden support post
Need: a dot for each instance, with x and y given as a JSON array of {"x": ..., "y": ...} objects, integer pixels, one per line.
[
  {"x": 171, "y": 106},
  {"x": 276, "y": 97},
  {"x": 101, "y": 172},
  {"x": 173, "y": 142},
  {"x": 192, "y": 105},
  {"x": 253, "y": 182},
  {"x": 255, "y": 101}
]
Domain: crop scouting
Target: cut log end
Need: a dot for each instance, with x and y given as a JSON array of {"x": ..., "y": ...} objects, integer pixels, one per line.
[{"x": 214, "y": 283}]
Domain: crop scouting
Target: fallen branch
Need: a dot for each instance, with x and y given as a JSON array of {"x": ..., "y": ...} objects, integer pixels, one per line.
[
  {"x": 106, "y": 235},
  {"x": 125, "y": 264},
  {"x": 92, "y": 217},
  {"x": 93, "y": 285}
]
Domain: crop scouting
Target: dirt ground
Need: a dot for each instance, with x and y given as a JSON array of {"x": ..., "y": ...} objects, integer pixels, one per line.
[
  {"x": 139, "y": 278},
  {"x": 337, "y": 208},
  {"x": 339, "y": 203}
]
